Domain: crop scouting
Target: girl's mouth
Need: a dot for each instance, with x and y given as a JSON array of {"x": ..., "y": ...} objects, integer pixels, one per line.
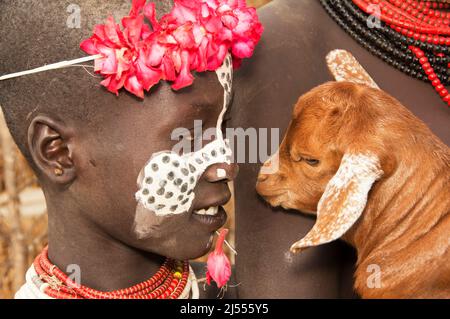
[
  {"x": 212, "y": 217},
  {"x": 211, "y": 211}
]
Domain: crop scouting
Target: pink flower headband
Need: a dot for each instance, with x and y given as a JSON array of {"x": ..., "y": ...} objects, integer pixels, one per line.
[{"x": 195, "y": 36}]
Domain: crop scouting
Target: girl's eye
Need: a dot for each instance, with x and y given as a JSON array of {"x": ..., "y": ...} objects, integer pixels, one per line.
[{"x": 312, "y": 162}]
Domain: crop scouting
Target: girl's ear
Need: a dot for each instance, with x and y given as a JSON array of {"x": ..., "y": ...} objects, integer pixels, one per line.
[
  {"x": 344, "y": 199},
  {"x": 49, "y": 145}
]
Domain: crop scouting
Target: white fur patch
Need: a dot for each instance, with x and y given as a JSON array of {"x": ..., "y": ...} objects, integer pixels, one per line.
[
  {"x": 344, "y": 199},
  {"x": 344, "y": 67}
]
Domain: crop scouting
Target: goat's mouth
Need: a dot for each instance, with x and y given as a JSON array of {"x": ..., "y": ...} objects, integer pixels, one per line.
[
  {"x": 286, "y": 201},
  {"x": 268, "y": 191},
  {"x": 277, "y": 200}
]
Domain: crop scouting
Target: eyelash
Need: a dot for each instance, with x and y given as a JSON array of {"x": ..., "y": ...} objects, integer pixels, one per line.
[
  {"x": 312, "y": 162},
  {"x": 309, "y": 161}
]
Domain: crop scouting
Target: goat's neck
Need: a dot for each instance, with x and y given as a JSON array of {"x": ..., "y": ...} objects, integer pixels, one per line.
[{"x": 413, "y": 194}]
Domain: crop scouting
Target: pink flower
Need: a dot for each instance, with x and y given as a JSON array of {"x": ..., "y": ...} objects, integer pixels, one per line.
[
  {"x": 218, "y": 265},
  {"x": 194, "y": 37}
]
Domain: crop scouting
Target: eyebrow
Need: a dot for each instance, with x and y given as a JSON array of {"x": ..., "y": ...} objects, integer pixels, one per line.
[
  {"x": 306, "y": 154},
  {"x": 201, "y": 104},
  {"x": 199, "y": 112},
  {"x": 300, "y": 152}
]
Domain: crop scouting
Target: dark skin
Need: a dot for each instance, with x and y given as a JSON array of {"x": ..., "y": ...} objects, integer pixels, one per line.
[
  {"x": 91, "y": 205},
  {"x": 289, "y": 62}
]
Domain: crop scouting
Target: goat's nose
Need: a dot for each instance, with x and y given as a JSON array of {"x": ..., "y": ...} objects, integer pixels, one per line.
[
  {"x": 263, "y": 184},
  {"x": 262, "y": 178}
]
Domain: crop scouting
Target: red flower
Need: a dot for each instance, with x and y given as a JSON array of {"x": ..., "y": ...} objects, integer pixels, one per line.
[
  {"x": 195, "y": 36},
  {"x": 218, "y": 264}
]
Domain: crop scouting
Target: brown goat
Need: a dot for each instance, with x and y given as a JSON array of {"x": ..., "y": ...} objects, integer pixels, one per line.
[{"x": 376, "y": 176}]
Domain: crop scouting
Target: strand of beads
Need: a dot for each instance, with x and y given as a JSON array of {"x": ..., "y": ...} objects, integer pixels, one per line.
[
  {"x": 168, "y": 283},
  {"x": 407, "y": 33}
]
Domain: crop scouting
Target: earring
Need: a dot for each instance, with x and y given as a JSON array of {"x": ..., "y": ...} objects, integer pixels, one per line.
[{"x": 58, "y": 171}]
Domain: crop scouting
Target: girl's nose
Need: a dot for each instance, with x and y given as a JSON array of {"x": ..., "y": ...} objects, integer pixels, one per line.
[{"x": 221, "y": 172}]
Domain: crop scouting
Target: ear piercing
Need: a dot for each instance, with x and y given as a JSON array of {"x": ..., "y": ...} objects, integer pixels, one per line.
[{"x": 58, "y": 171}]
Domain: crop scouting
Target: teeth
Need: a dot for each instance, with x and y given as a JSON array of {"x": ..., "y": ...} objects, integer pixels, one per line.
[
  {"x": 200, "y": 212},
  {"x": 210, "y": 211}
]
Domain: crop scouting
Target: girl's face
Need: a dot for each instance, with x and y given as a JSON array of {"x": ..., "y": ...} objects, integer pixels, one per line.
[{"x": 119, "y": 164}]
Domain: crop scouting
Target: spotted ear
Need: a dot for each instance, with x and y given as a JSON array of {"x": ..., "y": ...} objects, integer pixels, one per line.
[{"x": 343, "y": 201}]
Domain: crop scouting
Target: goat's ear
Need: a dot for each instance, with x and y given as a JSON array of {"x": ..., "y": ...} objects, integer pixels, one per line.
[{"x": 344, "y": 199}]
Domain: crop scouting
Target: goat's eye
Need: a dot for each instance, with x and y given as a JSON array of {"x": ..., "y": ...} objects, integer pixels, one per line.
[{"x": 312, "y": 162}]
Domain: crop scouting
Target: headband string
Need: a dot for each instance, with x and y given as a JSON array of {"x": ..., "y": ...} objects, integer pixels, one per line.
[{"x": 48, "y": 67}]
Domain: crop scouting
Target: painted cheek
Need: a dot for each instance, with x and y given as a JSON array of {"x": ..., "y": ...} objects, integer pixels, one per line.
[{"x": 169, "y": 180}]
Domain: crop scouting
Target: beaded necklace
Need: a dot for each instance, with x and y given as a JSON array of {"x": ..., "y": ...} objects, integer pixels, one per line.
[
  {"x": 168, "y": 283},
  {"x": 411, "y": 36}
]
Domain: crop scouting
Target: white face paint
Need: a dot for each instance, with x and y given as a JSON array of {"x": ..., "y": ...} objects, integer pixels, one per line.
[{"x": 167, "y": 182}]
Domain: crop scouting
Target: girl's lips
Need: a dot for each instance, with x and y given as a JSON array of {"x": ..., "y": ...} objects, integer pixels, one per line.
[{"x": 212, "y": 222}]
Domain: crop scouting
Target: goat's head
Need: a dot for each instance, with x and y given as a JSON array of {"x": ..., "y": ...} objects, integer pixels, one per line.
[{"x": 338, "y": 144}]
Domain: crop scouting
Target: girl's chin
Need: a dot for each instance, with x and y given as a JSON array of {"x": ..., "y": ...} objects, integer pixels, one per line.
[{"x": 196, "y": 252}]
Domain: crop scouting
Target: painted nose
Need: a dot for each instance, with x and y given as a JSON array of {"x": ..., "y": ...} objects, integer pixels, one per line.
[{"x": 221, "y": 172}]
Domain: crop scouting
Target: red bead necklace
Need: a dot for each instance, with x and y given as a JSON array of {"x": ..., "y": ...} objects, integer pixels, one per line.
[
  {"x": 402, "y": 19},
  {"x": 420, "y": 20},
  {"x": 168, "y": 283},
  {"x": 426, "y": 11},
  {"x": 438, "y": 86}
]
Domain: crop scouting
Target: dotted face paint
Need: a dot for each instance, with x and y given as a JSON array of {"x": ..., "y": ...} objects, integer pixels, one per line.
[{"x": 167, "y": 182}]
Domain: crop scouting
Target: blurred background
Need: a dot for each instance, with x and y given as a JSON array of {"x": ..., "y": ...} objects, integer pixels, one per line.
[{"x": 23, "y": 218}]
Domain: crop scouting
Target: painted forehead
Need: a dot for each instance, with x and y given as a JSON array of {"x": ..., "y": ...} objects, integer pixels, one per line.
[{"x": 207, "y": 94}]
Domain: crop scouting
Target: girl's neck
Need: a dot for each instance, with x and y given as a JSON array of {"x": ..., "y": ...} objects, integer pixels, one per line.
[{"x": 96, "y": 260}]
